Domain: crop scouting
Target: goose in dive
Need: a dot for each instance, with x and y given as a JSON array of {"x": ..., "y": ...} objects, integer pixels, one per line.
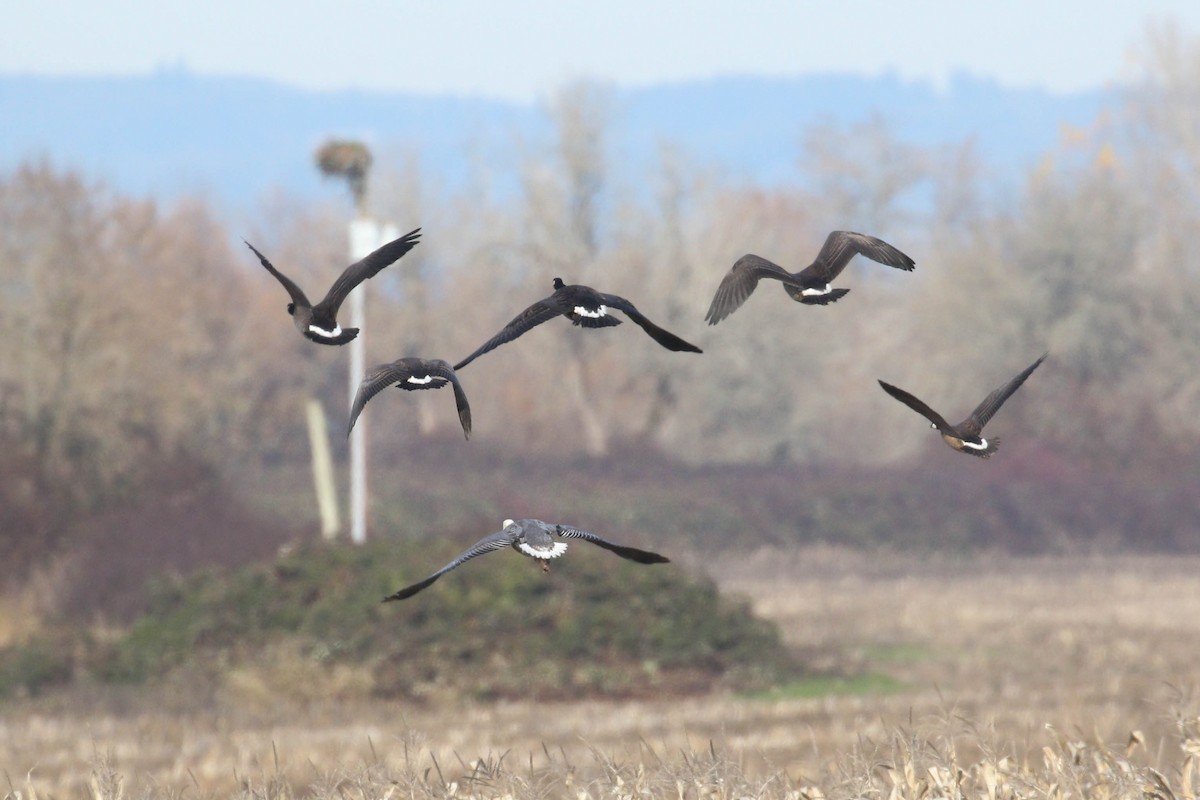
[
  {"x": 811, "y": 284},
  {"x": 411, "y": 374},
  {"x": 584, "y": 306},
  {"x": 966, "y": 436},
  {"x": 536, "y": 539},
  {"x": 319, "y": 322}
]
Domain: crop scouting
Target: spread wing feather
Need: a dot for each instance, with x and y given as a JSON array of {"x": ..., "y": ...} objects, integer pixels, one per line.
[
  {"x": 739, "y": 283},
  {"x": 660, "y": 335},
  {"x": 535, "y": 315},
  {"x": 366, "y": 268},
  {"x": 293, "y": 290},
  {"x": 496, "y": 541},
  {"x": 631, "y": 553},
  {"x": 841, "y": 246},
  {"x": 918, "y": 406},
  {"x": 991, "y": 404}
]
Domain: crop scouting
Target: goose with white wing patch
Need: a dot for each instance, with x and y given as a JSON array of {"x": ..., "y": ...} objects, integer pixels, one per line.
[
  {"x": 810, "y": 285},
  {"x": 318, "y": 322},
  {"x": 584, "y": 306},
  {"x": 967, "y": 436},
  {"x": 536, "y": 539},
  {"x": 411, "y": 374}
]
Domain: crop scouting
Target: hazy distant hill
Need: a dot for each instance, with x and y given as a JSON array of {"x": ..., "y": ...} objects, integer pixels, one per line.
[{"x": 235, "y": 138}]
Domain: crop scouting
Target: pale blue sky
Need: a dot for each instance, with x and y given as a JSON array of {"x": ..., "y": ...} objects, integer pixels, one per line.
[{"x": 522, "y": 49}]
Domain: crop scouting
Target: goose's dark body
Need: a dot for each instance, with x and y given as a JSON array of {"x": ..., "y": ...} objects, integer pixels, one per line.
[
  {"x": 584, "y": 306},
  {"x": 810, "y": 285},
  {"x": 536, "y": 539},
  {"x": 967, "y": 436},
  {"x": 411, "y": 374},
  {"x": 319, "y": 322}
]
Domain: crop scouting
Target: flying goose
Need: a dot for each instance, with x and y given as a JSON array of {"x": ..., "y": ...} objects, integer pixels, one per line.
[
  {"x": 584, "y": 306},
  {"x": 319, "y": 322},
  {"x": 811, "y": 284},
  {"x": 536, "y": 539},
  {"x": 966, "y": 436},
  {"x": 411, "y": 374}
]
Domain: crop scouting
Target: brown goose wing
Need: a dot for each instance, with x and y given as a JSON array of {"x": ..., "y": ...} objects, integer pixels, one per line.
[
  {"x": 376, "y": 380},
  {"x": 841, "y": 246},
  {"x": 535, "y": 315},
  {"x": 293, "y": 290},
  {"x": 660, "y": 335},
  {"x": 739, "y": 283},
  {"x": 411, "y": 374},
  {"x": 919, "y": 406},
  {"x": 366, "y": 268},
  {"x": 444, "y": 370},
  {"x": 991, "y": 404}
]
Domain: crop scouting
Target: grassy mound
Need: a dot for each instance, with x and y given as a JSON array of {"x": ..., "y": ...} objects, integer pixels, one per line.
[{"x": 496, "y": 627}]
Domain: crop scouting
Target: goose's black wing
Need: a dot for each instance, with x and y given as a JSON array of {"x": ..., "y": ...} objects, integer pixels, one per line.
[
  {"x": 991, "y": 404},
  {"x": 739, "y": 282},
  {"x": 411, "y": 374},
  {"x": 368, "y": 267},
  {"x": 841, "y": 246},
  {"x": 293, "y": 290},
  {"x": 460, "y": 401},
  {"x": 535, "y": 315},
  {"x": 660, "y": 335},
  {"x": 496, "y": 541},
  {"x": 918, "y": 406},
  {"x": 632, "y": 553}
]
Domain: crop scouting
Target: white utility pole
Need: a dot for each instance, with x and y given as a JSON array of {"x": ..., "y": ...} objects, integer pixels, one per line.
[
  {"x": 322, "y": 465},
  {"x": 366, "y": 236}
]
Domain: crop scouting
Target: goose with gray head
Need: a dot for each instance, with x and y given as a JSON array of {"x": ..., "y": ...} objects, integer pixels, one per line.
[
  {"x": 967, "y": 436},
  {"x": 411, "y": 374},
  {"x": 810, "y": 285},
  {"x": 319, "y": 322},
  {"x": 536, "y": 539},
  {"x": 584, "y": 306}
]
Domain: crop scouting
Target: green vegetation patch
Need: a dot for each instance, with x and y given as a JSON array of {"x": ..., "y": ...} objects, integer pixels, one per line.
[
  {"x": 867, "y": 683},
  {"x": 496, "y": 627},
  {"x": 904, "y": 653}
]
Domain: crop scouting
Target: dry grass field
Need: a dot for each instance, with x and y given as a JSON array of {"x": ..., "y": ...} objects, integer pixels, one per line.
[{"x": 995, "y": 677}]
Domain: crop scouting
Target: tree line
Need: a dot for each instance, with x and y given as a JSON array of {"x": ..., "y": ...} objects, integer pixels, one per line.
[{"x": 138, "y": 333}]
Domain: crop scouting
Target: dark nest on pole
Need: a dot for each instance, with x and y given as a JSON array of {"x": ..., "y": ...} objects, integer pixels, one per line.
[{"x": 347, "y": 159}]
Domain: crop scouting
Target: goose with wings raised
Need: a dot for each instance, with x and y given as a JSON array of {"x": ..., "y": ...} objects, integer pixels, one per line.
[
  {"x": 967, "y": 436},
  {"x": 810, "y": 285},
  {"x": 319, "y": 322}
]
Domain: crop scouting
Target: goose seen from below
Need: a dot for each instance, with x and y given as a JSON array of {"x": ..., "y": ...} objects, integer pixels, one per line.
[
  {"x": 967, "y": 436},
  {"x": 810, "y": 285},
  {"x": 584, "y": 306},
  {"x": 536, "y": 539},
  {"x": 411, "y": 374},
  {"x": 319, "y": 322}
]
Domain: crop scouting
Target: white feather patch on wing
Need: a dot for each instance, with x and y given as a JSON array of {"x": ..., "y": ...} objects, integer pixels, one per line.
[
  {"x": 337, "y": 331},
  {"x": 981, "y": 446},
  {"x": 602, "y": 311},
  {"x": 812, "y": 292},
  {"x": 420, "y": 381},
  {"x": 554, "y": 551}
]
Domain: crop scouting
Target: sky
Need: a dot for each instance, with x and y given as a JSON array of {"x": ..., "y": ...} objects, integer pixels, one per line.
[{"x": 521, "y": 50}]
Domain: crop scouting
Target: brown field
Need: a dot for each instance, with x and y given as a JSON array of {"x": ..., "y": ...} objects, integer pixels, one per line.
[{"x": 995, "y": 677}]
